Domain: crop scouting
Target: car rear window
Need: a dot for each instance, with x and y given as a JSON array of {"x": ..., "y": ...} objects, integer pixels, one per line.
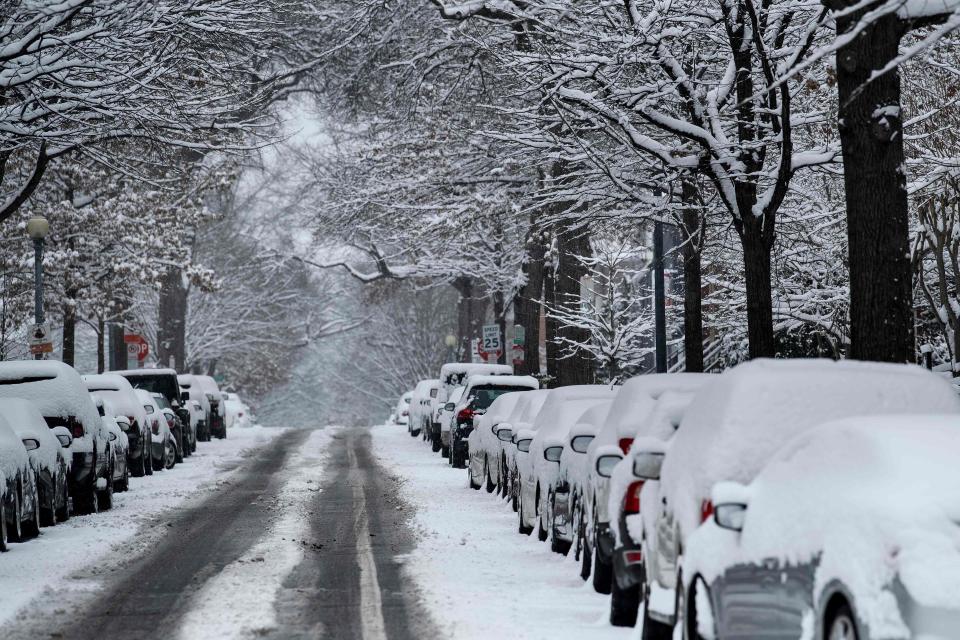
[
  {"x": 484, "y": 395},
  {"x": 165, "y": 385}
]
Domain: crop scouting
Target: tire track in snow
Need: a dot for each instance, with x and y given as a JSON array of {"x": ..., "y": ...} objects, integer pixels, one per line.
[{"x": 372, "y": 625}]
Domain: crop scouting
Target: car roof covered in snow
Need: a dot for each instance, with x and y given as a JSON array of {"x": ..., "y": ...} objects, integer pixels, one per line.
[
  {"x": 56, "y": 389},
  {"x": 639, "y": 394},
  {"x": 565, "y": 404},
  {"x": 117, "y": 390},
  {"x": 589, "y": 422},
  {"x": 463, "y": 369},
  {"x": 734, "y": 425},
  {"x": 426, "y": 385},
  {"x": 27, "y": 422},
  {"x": 523, "y": 382},
  {"x": 145, "y": 372},
  {"x": 527, "y": 407}
]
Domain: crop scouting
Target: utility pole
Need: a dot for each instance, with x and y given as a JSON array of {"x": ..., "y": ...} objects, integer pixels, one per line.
[{"x": 659, "y": 299}]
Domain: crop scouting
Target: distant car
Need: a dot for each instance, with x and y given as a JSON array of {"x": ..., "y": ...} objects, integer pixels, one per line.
[
  {"x": 420, "y": 405},
  {"x": 49, "y": 457},
  {"x": 446, "y": 417},
  {"x": 737, "y": 423},
  {"x": 237, "y": 411},
  {"x": 165, "y": 382},
  {"x": 483, "y": 443},
  {"x": 19, "y": 499},
  {"x": 453, "y": 375},
  {"x": 119, "y": 392},
  {"x": 59, "y": 393},
  {"x": 215, "y": 420},
  {"x": 479, "y": 393},
  {"x": 120, "y": 444},
  {"x": 850, "y": 530},
  {"x": 402, "y": 410},
  {"x": 197, "y": 417},
  {"x": 164, "y": 450},
  {"x": 194, "y": 391}
]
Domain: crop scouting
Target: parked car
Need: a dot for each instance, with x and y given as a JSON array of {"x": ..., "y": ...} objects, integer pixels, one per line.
[
  {"x": 163, "y": 448},
  {"x": 420, "y": 405},
  {"x": 483, "y": 442},
  {"x": 566, "y": 504},
  {"x": 736, "y": 424},
  {"x": 453, "y": 375},
  {"x": 849, "y": 531},
  {"x": 195, "y": 393},
  {"x": 59, "y": 393},
  {"x": 19, "y": 499},
  {"x": 164, "y": 382},
  {"x": 520, "y": 419},
  {"x": 402, "y": 410},
  {"x": 215, "y": 420},
  {"x": 633, "y": 404},
  {"x": 478, "y": 394},
  {"x": 237, "y": 413},
  {"x": 120, "y": 444},
  {"x": 445, "y": 417},
  {"x": 48, "y": 457},
  {"x": 179, "y": 429},
  {"x": 118, "y": 391},
  {"x": 539, "y": 468},
  {"x": 633, "y": 499}
]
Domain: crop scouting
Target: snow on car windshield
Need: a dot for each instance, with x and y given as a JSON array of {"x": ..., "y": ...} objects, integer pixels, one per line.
[{"x": 484, "y": 396}]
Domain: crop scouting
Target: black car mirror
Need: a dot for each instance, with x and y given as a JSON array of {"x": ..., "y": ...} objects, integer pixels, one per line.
[
  {"x": 184, "y": 397},
  {"x": 646, "y": 465},
  {"x": 552, "y": 454},
  {"x": 730, "y": 516},
  {"x": 605, "y": 465},
  {"x": 31, "y": 444}
]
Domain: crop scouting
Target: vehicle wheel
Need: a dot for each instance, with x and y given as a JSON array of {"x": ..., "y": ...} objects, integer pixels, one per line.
[
  {"x": 689, "y": 607},
  {"x": 139, "y": 466},
  {"x": 435, "y": 444},
  {"x": 105, "y": 497},
  {"x": 445, "y": 452},
  {"x": 654, "y": 629},
  {"x": 148, "y": 457},
  {"x": 586, "y": 562},
  {"x": 841, "y": 625},
  {"x": 63, "y": 511},
  {"x": 178, "y": 452},
  {"x": 14, "y": 531},
  {"x": 522, "y": 528},
  {"x": 602, "y": 573},
  {"x": 88, "y": 503},
  {"x": 514, "y": 494},
  {"x": 473, "y": 483},
  {"x": 31, "y": 529},
  {"x": 48, "y": 516},
  {"x": 170, "y": 455},
  {"x": 3, "y": 526},
  {"x": 123, "y": 483},
  {"x": 542, "y": 533},
  {"x": 490, "y": 486},
  {"x": 624, "y": 605}
]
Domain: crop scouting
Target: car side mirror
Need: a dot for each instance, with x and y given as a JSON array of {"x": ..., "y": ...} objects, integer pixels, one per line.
[
  {"x": 184, "y": 397},
  {"x": 552, "y": 454},
  {"x": 730, "y": 516},
  {"x": 31, "y": 444},
  {"x": 606, "y": 463},
  {"x": 64, "y": 436},
  {"x": 646, "y": 465},
  {"x": 449, "y": 406},
  {"x": 524, "y": 445},
  {"x": 113, "y": 436}
]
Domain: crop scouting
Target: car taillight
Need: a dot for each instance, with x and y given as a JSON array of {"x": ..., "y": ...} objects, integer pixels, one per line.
[
  {"x": 706, "y": 510},
  {"x": 631, "y": 503},
  {"x": 169, "y": 420},
  {"x": 465, "y": 414},
  {"x": 625, "y": 444},
  {"x": 76, "y": 430},
  {"x": 133, "y": 421}
]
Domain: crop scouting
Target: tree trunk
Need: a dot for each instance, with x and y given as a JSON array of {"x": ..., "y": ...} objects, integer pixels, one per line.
[
  {"x": 871, "y": 137},
  {"x": 526, "y": 307},
  {"x": 101, "y": 351},
  {"x": 572, "y": 244},
  {"x": 172, "y": 321},
  {"x": 69, "y": 330},
  {"x": 118, "y": 349},
  {"x": 471, "y": 312},
  {"x": 500, "y": 317},
  {"x": 551, "y": 328},
  {"x": 690, "y": 233},
  {"x": 756, "y": 267}
]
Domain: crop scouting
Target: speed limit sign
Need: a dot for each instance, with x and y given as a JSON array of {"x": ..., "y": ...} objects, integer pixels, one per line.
[{"x": 491, "y": 346}]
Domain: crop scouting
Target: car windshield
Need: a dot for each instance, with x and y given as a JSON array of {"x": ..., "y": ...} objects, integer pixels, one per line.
[
  {"x": 483, "y": 396},
  {"x": 164, "y": 384},
  {"x": 161, "y": 402}
]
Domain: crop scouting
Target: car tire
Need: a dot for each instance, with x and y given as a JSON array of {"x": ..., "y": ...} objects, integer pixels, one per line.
[
  {"x": 63, "y": 511},
  {"x": 556, "y": 544},
  {"x": 602, "y": 573},
  {"x": 473, "y": 483},
  {"x": 654, "y": 629},
  {"x": 445, "y": 452},
  {"x": 178, "y": 451},
  {"x": 3, "y": 526},
  {"x": 169, "y": 455},
  {"x": 435, "y": 444},
  {"x": 87, "y": 502},
  {"x": 841, "y": 624},
  {"x": 624, "y": 605},
  {"x": 48, "y": 516},
  {"x": 489, "y": 486},
  {"x": 31, "y": 529},
  {"x": 15, "y": 530},
  {"x": 586, "y": 561},
  {"x": 522, "y": 528},
  {"x": 139, "y": 467},
  {"x": 105, "y": 497}
]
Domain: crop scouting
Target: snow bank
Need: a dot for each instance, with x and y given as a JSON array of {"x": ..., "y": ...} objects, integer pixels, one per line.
[
  {"x": 477, "y": 577},
  {"x": 29, "y": 569}
]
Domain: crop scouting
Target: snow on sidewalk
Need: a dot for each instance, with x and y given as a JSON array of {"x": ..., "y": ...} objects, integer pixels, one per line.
[
  {"x": 478, "y": 576},
  {"x": 28, "y": 569}
]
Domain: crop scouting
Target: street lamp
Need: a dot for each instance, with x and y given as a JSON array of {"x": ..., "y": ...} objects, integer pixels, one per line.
[
  {"x": 37, "y": 229},
  {"x": 451, "y": 342}
]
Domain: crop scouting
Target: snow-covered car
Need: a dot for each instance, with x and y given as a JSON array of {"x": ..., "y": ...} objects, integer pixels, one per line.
[
  {"x": 633, "y": 498},
  {"x": 195, "y": 393},
  {"x": 420, "y": 405},
  {"x": 120, "y": 445},
  {"x": 215, "y": 420},
  {"x": 849, "y": 531},
  {"x": 165, "y": 382},
  {"x": 237, "y": 411},
  {"x": 632, "y": 405},
  {"x": 48, "y": 457},
  {"x": 737, "y": 423},
  {"x": 118, "y": 391},
  {"x": 479, "y": 393},
  {"x": 59, "y": 393},
  {"x": 402, "y": 410},
  {"x": 453, "y": 375},
  {"x": 163, "y": 451},
  {"x": 197, "y": 417},
  {"x": 445, "y": 418},
  {"x": 566, "y": 506},
  {"x": 19, "y": 498},
  {"x": 520, "y": 418},
  {"x": 538, "y": 468},
  {"x": 483, "y": 442},
  {"x": 174, "y": 423}
]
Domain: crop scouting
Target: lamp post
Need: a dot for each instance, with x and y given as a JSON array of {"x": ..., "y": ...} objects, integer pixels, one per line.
[
  {"x": 37, "y": 229},
  {"x": 451, "y": 342}
]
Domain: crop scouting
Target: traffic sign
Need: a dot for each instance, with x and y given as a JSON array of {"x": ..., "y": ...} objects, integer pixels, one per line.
[
  {"x": 491, "y": 340},
  {"x": 136, "y": 346},
  {"x": 518, "y": 354},
  {"x": 476, "y": 357},
  {"x": 519, "y": 334},
  {"x": 40, "y": 339}
]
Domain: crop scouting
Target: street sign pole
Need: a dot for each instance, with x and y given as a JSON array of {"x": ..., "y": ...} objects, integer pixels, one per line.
[{"x": 660, "y": 299}]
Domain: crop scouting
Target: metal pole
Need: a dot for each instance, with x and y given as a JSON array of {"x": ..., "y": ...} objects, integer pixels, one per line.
[
  {"x": 38, "y": 285},
  {"x": 659, "y": 299}
]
